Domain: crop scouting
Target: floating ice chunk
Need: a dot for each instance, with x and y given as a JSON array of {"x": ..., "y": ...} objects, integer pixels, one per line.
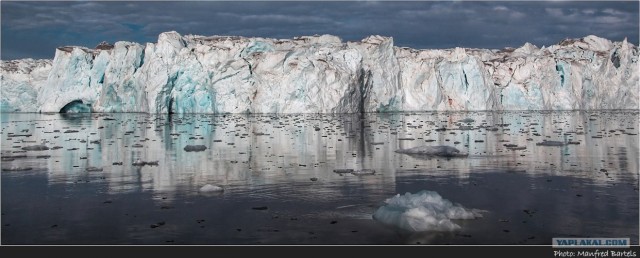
[
  {"x": 363, "y": 172},
  {"x": 35, "y": 148},
  {"x": 195, "y": 148},
  {"x": 16, "y": 168},
  {"x": 343, "y": 170},
  {"x": 550, "y": 143},
  {"x": 12, "y": 157},
  {"x": 141, "y": 163},
  {"x": 423, "y": 211},
  {"x": 211, "y": 188},
  {"x": 443, "y": 151}
]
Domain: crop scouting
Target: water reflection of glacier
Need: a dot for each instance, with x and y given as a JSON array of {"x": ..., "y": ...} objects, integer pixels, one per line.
[
  {"x": 244, "y": 150},
  {"x": 286, "y": 162}
]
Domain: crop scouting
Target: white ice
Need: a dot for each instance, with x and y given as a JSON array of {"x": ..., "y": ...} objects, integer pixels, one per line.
[
  {"x": 211, "y": 188},
  {"x": 423, "y": 211},
  {"x": 322, "y": 74}
]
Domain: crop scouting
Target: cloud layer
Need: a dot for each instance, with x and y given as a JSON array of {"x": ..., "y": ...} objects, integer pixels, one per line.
[{"x": 34, "y": 29}]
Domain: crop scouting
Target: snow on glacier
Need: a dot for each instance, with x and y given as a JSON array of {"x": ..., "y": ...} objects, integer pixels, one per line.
[
  {"x": 322, "y": 74},
  {"x": 423, "y": 211}
]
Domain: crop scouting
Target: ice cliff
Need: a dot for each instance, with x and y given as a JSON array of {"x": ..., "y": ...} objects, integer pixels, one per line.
[
  {"x": 321, "y": 74},
  {"x": 21, "y": 80}
]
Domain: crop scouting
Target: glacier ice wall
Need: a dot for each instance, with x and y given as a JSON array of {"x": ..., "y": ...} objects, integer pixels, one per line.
[
  {"x": 322, "y": 74},
  {"x": 20, "y": 82}
]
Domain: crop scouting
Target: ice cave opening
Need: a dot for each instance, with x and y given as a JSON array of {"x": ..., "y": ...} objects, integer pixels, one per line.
[{"x": 76, "y": 106}]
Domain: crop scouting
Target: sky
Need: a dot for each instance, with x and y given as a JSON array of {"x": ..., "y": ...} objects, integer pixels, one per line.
[{"x": 32, "y": 29}]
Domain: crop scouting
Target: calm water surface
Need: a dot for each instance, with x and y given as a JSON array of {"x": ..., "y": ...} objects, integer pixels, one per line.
[{"x": 279, "y": 184}]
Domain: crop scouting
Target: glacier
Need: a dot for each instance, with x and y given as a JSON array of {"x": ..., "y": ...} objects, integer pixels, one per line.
[
  {"x": 21, "y": 80},
  {"x": 321, "y": 74}
]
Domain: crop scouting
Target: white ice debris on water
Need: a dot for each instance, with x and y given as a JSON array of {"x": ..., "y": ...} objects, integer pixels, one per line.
[
  {"x": 208, "y": 188},
  {"x": 423, "y": 211},
  {"x": 321, "y": 74}
]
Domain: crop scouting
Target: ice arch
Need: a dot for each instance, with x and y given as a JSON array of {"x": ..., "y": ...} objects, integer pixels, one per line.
[{"x": 76, "y": 106}]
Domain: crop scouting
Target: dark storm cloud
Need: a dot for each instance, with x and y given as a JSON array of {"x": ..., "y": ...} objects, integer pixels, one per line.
[{"x": 34, "y": 29}]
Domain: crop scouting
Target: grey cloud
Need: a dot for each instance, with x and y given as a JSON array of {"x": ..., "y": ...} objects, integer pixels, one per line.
[{"x": 412, "y": 24}]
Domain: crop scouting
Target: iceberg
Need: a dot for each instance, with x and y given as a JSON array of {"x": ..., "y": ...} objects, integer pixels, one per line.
[
  {"x": 423, "y": 211},
  {"x": 321, "y": 74},
  {"x": 211, "y": 188}
]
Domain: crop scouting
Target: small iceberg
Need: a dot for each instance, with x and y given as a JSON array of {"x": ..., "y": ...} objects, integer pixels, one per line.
[
  {"x": 550, "y": 143},
  {"x": 442, "y": 151},
  {"x": 211, "y": 188},
  {"x": 363, "y": 172},
  {"x": 423, "y": 211},
  {"x": 35, "y": 148},
  {"x": 343, "y": 170},
  {"x": 141, "y": 163},
  {"x": 16, "y": 169},
  {"x": 195, "y": 148}
]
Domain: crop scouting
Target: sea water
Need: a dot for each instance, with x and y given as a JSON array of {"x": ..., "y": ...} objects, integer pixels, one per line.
[{"x": 284, "y": 178}]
